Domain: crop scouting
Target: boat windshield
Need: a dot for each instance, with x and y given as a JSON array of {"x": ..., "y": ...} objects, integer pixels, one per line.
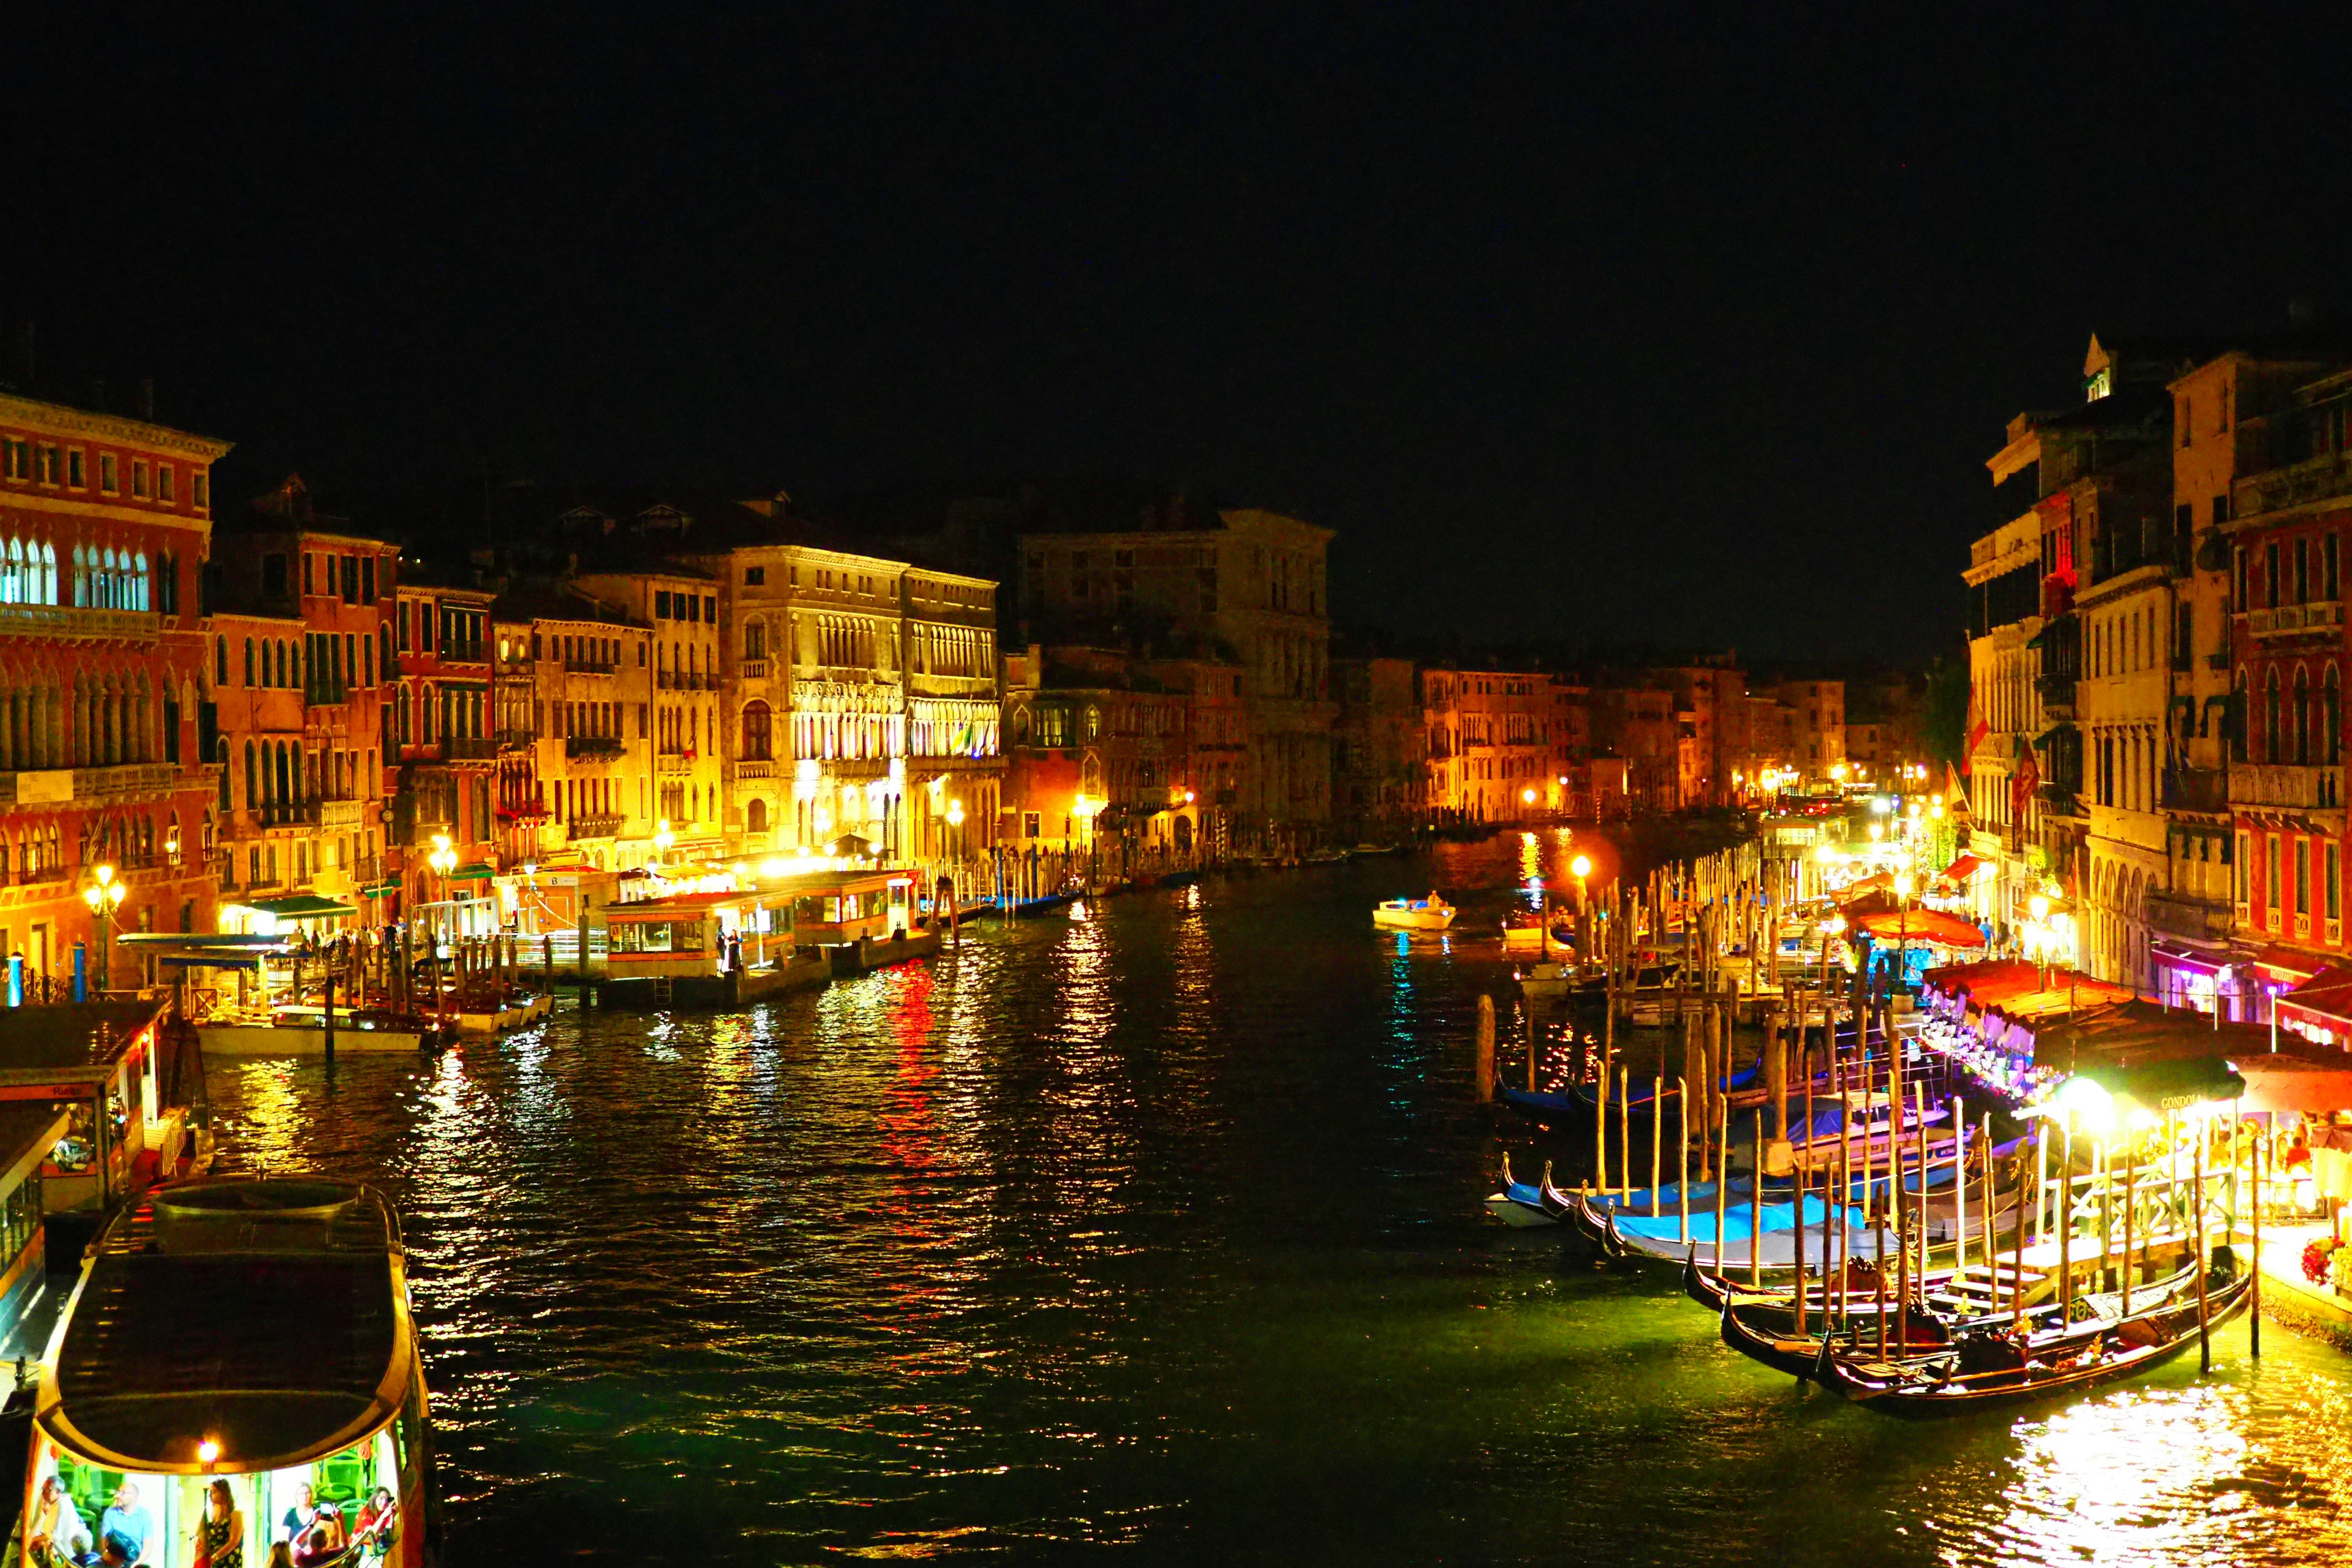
[{"x": 343, "y": 1510}]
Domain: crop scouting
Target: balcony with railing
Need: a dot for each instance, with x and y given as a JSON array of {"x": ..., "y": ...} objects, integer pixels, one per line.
[
  {"x": 2322, "y": 479},
  {"x": 515, "y": 739},
  {"x": 588, "y": 666},
  {"x": 287, "y": 813},
  {"x": 123, "y": 782},
  {"x": 685, "y": 680},
  {"x": 76, "y": 623},
  {"x": 580, "y": 827},
  {"x": 605, "y": 746},
  {"x": 2186, "y": 915},
  {"x": 671, "y": 761},
  {"x": 752, "y": 669},
  {"x": 2196, "y": 789},
  {"x": 748, "y": 768},
  {"x": 2293, "y": 620},
  {"x": 2285, "y": 786}
]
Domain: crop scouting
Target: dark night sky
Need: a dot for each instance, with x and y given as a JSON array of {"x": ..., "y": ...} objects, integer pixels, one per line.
[{"x": 1609, "y": 321}]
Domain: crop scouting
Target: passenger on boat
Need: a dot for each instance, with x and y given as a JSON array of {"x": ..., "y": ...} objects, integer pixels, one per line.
[
  {"x": 319, "y": 1544},
  {"x": 124, "y": 1528},
  {"x": 300, "y": 1518},
  {"x": 54, "y": 1524},
  {"x": 378, "y": 1526},
  {"x": 220, "y": 1533}
]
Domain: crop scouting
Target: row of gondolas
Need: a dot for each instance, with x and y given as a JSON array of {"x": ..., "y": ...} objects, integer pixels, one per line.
[{"x": 1887, "y": 1248}]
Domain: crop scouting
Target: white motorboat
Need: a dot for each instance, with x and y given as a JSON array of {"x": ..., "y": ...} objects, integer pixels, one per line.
[{"x": 1432, "y": 913}]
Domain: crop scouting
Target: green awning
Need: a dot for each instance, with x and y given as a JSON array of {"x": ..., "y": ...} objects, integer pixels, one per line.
[
  {"x": 302, "y": 907},
  {"x": 473, "y": 873},
  {"x": 383, "y": 889}
]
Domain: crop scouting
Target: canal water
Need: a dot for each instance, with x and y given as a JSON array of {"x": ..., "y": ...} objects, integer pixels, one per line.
[{"x": 1155, "y": 1235}]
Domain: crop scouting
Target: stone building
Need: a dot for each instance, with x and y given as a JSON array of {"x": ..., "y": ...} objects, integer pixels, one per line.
[
  {"x": 104, "y": 529},
  {"x": 587, "y": 665},
  {"x": 1378, "y": 783},
  {"x": 441, "y": 734},
  {"x": 2289, "y": 508},
  {"x": 1247, "y": 587},
  {"x": 323, "y": 822}
]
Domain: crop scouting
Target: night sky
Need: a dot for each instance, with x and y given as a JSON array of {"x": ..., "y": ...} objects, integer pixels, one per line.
[{"x": 1616, "y": 324}]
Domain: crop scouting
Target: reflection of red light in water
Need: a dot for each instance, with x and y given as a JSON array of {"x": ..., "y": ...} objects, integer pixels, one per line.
[{"x": 909, "y": 1129}]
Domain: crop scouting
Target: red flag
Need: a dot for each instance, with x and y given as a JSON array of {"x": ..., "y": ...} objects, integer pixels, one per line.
[{"x": 1955, "y": 797}]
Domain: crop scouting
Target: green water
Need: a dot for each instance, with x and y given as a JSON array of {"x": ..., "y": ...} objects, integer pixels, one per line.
[{"x": 1156, "y": 1236}]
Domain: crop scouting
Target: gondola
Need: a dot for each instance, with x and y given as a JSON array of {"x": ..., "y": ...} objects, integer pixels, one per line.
[
  {"x": 1993, "y": 1371},
  {"x": 1769, "y": 1306},
  {"x": 1523, "y": 1204},
  {"x": 1799, "y": 1355}
]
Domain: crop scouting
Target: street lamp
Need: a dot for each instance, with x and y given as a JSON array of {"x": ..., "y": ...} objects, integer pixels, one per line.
[
  {"x": 2037, "y": 934},
  {"x": 955, "y": 830},
  {"x": 663, "y": 839},
  {"x": 104, "y": 896}
]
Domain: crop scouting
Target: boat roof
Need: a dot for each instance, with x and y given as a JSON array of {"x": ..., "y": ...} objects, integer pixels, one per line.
[
  {"x": 71, "y": 1042},
  {"x": 262, "y": 1314}
]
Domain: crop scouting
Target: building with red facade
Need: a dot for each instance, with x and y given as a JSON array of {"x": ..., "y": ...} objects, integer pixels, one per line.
[
  {"x": 104, "y": 529},
  {"x": 2285, "y": 774},
  {"x": 321, "y": 814}
]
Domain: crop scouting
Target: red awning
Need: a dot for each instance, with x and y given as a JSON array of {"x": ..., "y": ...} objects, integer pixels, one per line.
[
  {"x": 1877, "y": 881},
  {"x": 1920, "y": 925},
  {"x": 2326, "y": 994},
  {"x": 1960, "y": 869},
  {"x": 2287, "y": 965}
]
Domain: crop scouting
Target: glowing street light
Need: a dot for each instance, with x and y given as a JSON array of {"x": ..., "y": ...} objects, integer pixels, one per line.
[
  {"x": 663, "y": 839},
  {"x": 104, "y": 896}
]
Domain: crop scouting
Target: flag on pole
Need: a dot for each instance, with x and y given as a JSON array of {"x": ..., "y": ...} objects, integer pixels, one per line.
[{"x": 1955, "y": 797}]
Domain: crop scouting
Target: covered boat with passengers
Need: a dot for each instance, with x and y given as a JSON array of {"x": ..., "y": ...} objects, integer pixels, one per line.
[{"x": 237, "y": 1367}]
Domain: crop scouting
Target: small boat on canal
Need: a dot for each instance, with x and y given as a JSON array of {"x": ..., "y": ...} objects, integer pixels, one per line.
[
  {"x": 1993, "y": 1371},
  {"x": 1524, "y": 1204},
  {"x": 237, "y": 1348},
  {"x": 1432, "y": 913}
]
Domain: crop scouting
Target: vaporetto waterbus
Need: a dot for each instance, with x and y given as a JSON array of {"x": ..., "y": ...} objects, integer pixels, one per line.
[{"x": 253, "y": 1333}]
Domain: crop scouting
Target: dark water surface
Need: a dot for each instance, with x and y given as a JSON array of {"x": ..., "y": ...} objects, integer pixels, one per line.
[{"x": 1157, "y": 1236}]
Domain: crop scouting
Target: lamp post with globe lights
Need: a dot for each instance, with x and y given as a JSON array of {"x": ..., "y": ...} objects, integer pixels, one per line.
[{"x": 104, "y": 897}]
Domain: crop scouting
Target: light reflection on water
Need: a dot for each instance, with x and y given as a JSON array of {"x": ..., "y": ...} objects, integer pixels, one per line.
[{"x": 1159, "y": 1232}]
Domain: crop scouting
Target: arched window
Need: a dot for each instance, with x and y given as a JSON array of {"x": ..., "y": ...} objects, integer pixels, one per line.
[
  {"x": 138, "y": 581},
  {"x": 220, "y": 662},
  {"x": 2272, "y": 749},
  {"x": 2303, "y": 718},
  {"x": 755, "y": 817},
  {"x": 756, "y": 732},
  {"x": 2332, "y": 717},
  {"x": 252, "y": 781},
  {"x": 12, "y": 575}
]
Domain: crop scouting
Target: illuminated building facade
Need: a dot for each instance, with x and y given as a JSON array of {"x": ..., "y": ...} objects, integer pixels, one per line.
[
  {"x": 2221, "y": 407},
  {"x": 321, "y": 803},
  {"x": 442, "y": 723},
  {"x": 1100, "y": 758},
  {"x": 586, "y": 666},
  {"x": 104, "y": 530},
  {"x": 1493, "y": 749},
  {"x": 682, "y": 607},
  {"x": 2287, "y": 534}
]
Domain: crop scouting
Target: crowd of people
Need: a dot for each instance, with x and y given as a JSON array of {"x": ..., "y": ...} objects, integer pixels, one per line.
[{"x": 312, "y": 1533}]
